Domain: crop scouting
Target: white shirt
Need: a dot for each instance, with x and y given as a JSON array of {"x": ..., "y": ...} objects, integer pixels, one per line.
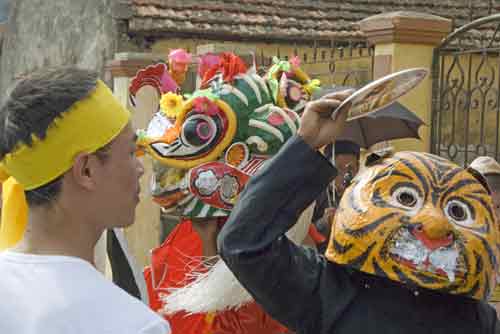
[{"x": 66, "y": 295}]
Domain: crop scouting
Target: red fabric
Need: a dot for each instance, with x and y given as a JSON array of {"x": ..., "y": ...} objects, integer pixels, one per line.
[
  {"x": 170, "y": 265},
  {"x": 248, "y": 319},
  {"x": 207, "y": 61},
  {"x": 230, "y": 65},
  {"x": 317, "y": 237}
]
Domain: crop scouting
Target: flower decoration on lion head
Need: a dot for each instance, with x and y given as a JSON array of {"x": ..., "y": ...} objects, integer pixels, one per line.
[
  {"x": 420, "y": 220},
  {"x": 221, "y": 135},
  {"x": 178, "y": 62}
]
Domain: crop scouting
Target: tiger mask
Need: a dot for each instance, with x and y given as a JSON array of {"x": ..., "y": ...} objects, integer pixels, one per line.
[{"x": 420, "y": 220}]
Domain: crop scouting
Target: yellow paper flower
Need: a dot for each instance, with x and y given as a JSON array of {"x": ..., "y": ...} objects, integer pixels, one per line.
[
  {"x": 171, "y": 104},
  {"x": 311, "y": 86}
]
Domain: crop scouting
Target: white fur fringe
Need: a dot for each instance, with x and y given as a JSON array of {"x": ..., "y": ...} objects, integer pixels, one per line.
[{"x": 218, "y": 289}]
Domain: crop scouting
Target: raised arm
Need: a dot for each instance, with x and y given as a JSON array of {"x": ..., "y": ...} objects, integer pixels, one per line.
[
  {"x": 284, "y": 278},
  {"x": 252, "y": 243}
]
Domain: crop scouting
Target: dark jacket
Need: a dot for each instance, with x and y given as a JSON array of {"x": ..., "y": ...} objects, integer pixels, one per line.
[{"x": 303, "y": 290}]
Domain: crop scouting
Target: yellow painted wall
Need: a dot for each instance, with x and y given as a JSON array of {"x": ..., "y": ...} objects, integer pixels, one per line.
[
  {"x": 317, "y": 63},
  {"x": 406, "y": 56}
]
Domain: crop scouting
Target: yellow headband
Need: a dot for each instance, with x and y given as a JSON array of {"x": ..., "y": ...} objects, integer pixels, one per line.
[{"x": 87, "y": 126}]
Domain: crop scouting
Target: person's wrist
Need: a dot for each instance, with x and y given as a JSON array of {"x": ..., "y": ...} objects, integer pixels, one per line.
[
  {"x": 307, "y": 138},
  {"x": 310, "y": 139}
]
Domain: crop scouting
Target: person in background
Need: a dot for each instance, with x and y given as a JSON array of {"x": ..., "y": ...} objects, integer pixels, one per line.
[
  {"x": 489, "y": 168},
  {"x": 347, "y": 155},
  {"x": 67, "y": 156}
]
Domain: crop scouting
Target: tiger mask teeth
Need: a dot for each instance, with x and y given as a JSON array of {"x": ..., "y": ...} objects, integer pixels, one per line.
[{"x": 407, "y": 249}]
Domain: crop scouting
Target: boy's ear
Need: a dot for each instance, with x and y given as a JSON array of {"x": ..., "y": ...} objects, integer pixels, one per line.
[{"x": 83, "y": 170}]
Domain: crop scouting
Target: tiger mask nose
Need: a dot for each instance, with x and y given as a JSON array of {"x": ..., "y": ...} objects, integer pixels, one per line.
[{"x": 434, "y": 234}]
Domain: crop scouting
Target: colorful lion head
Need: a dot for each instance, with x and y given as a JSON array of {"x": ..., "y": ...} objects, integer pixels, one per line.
[
  {"x": 421, "y": 220},
  {"x": 221, "y": 136},
  {"x": 290, "y": 86}
]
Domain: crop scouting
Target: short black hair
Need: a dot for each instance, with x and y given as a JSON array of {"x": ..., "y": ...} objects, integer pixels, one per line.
[
  {"x": 35, "y": 101},
  {"x": 347, "y": 147},
  {"x": 344, "y": 147}
]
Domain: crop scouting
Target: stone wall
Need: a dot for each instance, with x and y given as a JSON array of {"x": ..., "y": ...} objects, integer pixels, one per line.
[{"x": 42, "y": 33}]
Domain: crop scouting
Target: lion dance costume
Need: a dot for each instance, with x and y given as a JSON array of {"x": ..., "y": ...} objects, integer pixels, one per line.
[{"x": 205, "y": 147}]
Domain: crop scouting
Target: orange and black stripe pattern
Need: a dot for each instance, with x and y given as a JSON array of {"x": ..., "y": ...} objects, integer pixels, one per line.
[{"x": 420, "y": 220}]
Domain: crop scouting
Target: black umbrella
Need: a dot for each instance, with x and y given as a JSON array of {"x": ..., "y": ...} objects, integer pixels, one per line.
[{"x": 393, "y": 121}]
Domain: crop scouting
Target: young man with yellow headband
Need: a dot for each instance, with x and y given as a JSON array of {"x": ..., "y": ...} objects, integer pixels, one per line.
[{"x": 69, "y": 171}]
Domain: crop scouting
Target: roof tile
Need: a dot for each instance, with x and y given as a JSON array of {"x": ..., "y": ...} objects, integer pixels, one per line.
[{"x": 283, "y": 19}]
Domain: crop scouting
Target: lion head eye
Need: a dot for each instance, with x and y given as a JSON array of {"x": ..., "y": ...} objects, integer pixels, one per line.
[{"x": 198, "y": 130}]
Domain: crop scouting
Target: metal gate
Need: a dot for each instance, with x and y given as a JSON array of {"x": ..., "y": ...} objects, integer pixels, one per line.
[{"x": 466, "y": 91}]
